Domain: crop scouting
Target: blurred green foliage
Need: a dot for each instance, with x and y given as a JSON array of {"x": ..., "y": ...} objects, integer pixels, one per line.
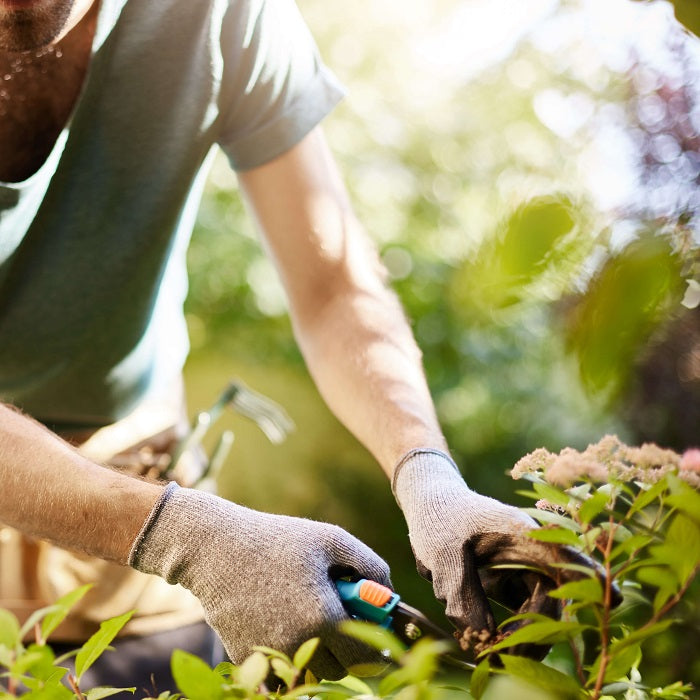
[
  {"x": 632, "y": 294},
  {"x": 530, "y": 174},
  {"x": 688, "y": 13},
  {"x": 530, "y": 255}
]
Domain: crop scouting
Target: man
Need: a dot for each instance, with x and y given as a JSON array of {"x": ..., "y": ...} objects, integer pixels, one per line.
[{"x": 109, "y": 114}]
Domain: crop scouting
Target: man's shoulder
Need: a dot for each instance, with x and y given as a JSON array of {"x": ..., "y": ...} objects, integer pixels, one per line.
[
  {"x": 202, "y": 7},
  {"x": 178, "y": 18}
]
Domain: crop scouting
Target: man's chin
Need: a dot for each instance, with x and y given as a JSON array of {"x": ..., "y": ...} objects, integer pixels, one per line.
[
  {"x": 27, "y": 25},
  {"x": 24, "y": 40}
]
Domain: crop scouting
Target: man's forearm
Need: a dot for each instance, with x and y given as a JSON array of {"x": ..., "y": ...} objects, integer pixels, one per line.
[
  {"x": 350, "y": 327},
  {"x": 51, "y": 492},
  {"x": 362, "y": 355}
]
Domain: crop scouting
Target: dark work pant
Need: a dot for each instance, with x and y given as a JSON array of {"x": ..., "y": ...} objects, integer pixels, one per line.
[{"x": 144, "y": 662}]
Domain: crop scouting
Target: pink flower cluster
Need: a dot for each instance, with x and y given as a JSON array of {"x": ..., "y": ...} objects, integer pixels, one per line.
[
  {"x": 610, "y": 459},
  {"x": 690, "y": 460}
]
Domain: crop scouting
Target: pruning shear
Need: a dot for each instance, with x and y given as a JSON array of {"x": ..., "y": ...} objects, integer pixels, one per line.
[{"x": 371, "y": 601}]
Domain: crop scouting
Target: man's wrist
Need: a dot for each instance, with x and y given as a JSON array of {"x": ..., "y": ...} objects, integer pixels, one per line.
[
  {"x": 421, "y": 463},
  {"x": 134, "y": 551}
]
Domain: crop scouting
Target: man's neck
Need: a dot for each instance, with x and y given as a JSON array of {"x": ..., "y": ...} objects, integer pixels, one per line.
[
  {"x": 82, "y": 10},
  {"x": 38, "y": 97}
]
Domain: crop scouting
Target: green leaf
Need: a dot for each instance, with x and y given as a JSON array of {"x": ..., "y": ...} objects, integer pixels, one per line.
[
  {"x": 394, "y": 680},
  {"x": 374, "y": 636},
  {"x": 587, "y": 590},
  {"x": 547, "y": 632},
  {"x": 626, "y": 300},
  {"x": 589, "y": 538},
  {"x": 580, "y": 492},
  {"x": 663, "y": 595},
  {"x": 681, "y": 549},
  {"x": 61, "y": 608},
  {"x": 304, "y": 692},
  {"x": 418, "y": 665},
  {"x": 253, "y": 671},
  {"x": 413, "y": 692},
  {"x": 9, "y": 629},
  {"x": 194, "y": 677},
  {"x": 531, "y": 247},
  {"x": 99, "y": 693},
  {"x": 423, "y": 657},
  {"x": 684, "y": 498},
  {"x": 37, "y": 660},
  {"x": 580, "y": 568},
  {"x": 34, "y": 618},
  {"x": 558, "y": 535},
  {"x": 273, "y": 653},
  {"x": 630, "y": 545},
  {"x": 644, "y": 498},
  {"x": 357, "y": 686},
  {"x": 98, "y": 643},
  {"x": 546, "y": 516},
  {"x": 675, "y": 691},
  {"x": 620, "y": 660},
  {"x": 593, "y": 506},
  {"x": 542, "y": 676},
  {"x": 23, "y": 662},
  {"x": 225, "y": 669},
  {"x": 480, "y": 679},
  {"x": 658, "y": 576},
  {"x": 536, "y": 617},
  {"x": 640, "y": 635},
  {"x": 331, "y": 691},
  {"x": 552, "y": 494},
  {"x": 54, "y": 691},
  {"x": 620, "y": 532},
  {"x": 527, "y": 494},
  {"x": 305, "y": 652},
  {"x": 309, "y": 678},
  {"x": 51, "y": 679},
  {"x": 6, "y": 656},
  {"x": 283, "y": 670}
]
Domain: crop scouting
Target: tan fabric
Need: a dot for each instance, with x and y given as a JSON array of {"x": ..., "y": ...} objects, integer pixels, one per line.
[{"x": 34, "y": 574}]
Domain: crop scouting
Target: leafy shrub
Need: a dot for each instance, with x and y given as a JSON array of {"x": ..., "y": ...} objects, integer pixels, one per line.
[
  {"x": 637, "y": 512},
  {"x": 634, "y": 510}
]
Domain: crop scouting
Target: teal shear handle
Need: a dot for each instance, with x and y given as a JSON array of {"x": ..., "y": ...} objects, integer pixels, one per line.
[
  {"x": 368, "y": 600},
  {"x": 373, "y": 602}
]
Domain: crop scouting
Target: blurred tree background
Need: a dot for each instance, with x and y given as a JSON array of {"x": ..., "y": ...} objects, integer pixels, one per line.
[{"x": 530, "y": 172}]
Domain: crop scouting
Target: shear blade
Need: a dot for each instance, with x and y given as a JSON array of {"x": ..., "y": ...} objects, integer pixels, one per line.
[{"x": 410, "y": 625}]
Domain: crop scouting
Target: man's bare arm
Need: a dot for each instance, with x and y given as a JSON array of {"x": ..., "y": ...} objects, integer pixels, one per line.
[
  {"x": 51, "y": 492},
  {"x": 351, "y": 329}
]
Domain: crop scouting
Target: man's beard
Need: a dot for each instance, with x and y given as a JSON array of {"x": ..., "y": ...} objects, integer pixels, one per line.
[{"x": 25, "y": 29}]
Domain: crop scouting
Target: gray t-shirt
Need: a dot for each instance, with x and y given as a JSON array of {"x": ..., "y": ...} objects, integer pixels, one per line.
[{"x": 92, "y": 246}]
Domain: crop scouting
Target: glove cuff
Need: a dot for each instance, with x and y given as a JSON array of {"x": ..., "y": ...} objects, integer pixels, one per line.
[
  {"x": 422, "y": 464},
  {"x": 135, "y": 553}
]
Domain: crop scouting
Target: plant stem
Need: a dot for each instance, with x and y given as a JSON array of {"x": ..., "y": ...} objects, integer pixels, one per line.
[
  {"x": 578, "y": 661},
  {"x": 572, "y": 644},
  {"x": 674, "y": 600},
  {"x": 605, "y": 618},
  {"x": 73, "y": 683}
]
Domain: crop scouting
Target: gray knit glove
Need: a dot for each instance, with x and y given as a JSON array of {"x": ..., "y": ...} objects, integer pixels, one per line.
[
  {"x": 262, "y": 579},
  {"x": 457, "y": 534}
]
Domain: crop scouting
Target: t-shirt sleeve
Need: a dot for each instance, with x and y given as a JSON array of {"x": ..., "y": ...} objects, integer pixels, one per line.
[{"x": 275, "y": 86}]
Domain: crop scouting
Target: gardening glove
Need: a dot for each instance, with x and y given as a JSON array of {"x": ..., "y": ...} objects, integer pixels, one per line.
[
  {"x": 262, "y": 579},
  {"x": 457, "y": 535}
]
